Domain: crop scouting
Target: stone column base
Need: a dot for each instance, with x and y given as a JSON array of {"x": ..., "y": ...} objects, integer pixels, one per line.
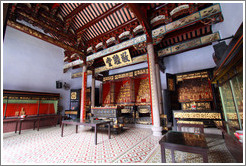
[{"x": 157, "y": 131}]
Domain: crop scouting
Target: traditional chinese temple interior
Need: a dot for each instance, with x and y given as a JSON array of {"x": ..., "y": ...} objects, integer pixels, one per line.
[{"x": 122, "y": 82}]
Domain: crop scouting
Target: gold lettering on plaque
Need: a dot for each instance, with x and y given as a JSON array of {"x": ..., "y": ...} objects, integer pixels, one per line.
[
  {"x": 73, "y": 95},
  {"x": 118, "y": 59}
]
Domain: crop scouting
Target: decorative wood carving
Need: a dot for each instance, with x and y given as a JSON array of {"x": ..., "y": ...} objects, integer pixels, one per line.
[
  {"x": 189, "y": 44},
  {"x": 112, "y": 32},
  {"x": 37, "y": 22},
  {"x": 142, "y": 18},
  {"x": 39, "y": 35},
  {"x": 159, "y": 32}
]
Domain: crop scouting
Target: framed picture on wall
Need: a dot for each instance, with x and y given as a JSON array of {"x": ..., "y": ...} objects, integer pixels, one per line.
[{"x": 170, "y": 82}]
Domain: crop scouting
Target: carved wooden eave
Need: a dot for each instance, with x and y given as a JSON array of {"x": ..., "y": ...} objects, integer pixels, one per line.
[
  {"x": 192, "y": 19},
  {"x": 113, "y": 32},
  {"x": 194, "y": 43},
  {"x": 49, "y": 28},
  {"x": 42, "y": 36},
  {"x": 142, "y": 18},
  {"x": 80, "y": 27},
  {"x": 178, "y": 48},
  {"x": 160, "y": 9}
]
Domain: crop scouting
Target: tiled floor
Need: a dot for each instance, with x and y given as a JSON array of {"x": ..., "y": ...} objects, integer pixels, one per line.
[{"x": 134, "y": 145}]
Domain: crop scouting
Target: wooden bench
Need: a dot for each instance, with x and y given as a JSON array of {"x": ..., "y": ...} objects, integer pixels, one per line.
[
  {"x": 16, "y": 120},
  {"x": 35, "y": 119}
]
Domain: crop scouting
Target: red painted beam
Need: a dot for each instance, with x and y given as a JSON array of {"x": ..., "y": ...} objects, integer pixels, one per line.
[{"x": 101, "y": 17}]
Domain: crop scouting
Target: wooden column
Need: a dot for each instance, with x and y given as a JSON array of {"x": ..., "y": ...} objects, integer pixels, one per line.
[
  {"x": 83, "y": 93},
  {"x": 157, "y": 129},
  {"x": 93, "y": 80}
]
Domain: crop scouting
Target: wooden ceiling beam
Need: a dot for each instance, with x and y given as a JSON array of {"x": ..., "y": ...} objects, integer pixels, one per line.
[
  {"x": 46, "y": 26},
  {"x": 142, "y": 18},
  {"x": 101, "y": 17},
  {"x": 77, "y": 10},
  {"x": 115, "y": 29},
  {"x": 44, "y": 37}
]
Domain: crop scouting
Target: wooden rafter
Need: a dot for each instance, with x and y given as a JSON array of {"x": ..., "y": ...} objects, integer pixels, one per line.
[
  {"x": 115, "y": 29},
  {"x": 41, "y": 36},
  {"x": 69, "y": 18},
  {"x": 77, "y": 10},
  {"x": 101, "y": 17},
  {"x": 142, "y": 18}
]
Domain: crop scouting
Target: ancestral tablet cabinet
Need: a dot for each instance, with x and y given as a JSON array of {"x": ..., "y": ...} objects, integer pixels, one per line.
[
  {"x": 192, "y": 97},
  {"x": 130, "y": 91}
]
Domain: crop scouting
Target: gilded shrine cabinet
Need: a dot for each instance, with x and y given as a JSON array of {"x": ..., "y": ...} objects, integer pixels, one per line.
[
  {"x": 193, "y": 98},
  {"x": 130, "y": 92},
  {"x": 228, "y": 76}
]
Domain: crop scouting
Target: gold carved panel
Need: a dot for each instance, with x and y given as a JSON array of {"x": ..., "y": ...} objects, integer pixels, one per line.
[{"x": 199, "y": 115}]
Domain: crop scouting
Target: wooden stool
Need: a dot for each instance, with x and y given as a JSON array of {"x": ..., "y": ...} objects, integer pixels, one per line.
[{"x": 195, "y": 124}]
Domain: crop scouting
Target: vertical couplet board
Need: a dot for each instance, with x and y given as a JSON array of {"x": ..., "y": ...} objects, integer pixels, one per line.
[
  {"x": 88, "y": 96},
  {"x": 112, "y": 92},
  {"x": 132, "y": 93},
  {"x": 83, "y": 91},
  {"x": 106, "y": 93},
  {"x": 150, "y": 93}
]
